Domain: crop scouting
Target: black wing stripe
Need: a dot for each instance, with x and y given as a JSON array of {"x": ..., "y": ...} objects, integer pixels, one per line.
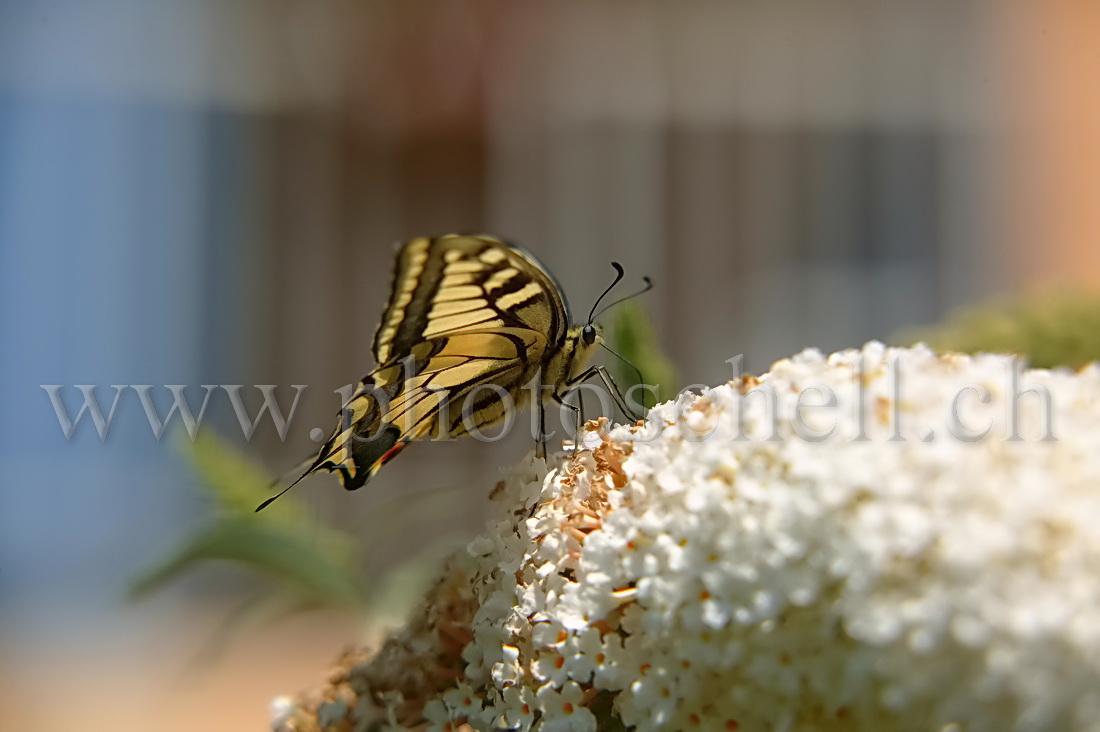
[
  {"x": 408, "y": 267},
  {"x": 416, "y": 312}
]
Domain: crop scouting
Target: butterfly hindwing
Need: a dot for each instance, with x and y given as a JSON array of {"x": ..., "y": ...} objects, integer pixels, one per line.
[{"x": 371, "y": 429}]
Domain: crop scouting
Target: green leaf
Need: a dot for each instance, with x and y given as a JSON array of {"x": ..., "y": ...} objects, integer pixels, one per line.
[
  {"x": 238, "y": 485},
  {"x": 1050, "y": 330},
  {"x": 633, "y": 336},
  {"x": 308, "y": 565}
]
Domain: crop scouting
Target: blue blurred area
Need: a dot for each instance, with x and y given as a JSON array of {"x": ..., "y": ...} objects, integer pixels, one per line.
[{"x": 108, "y": 275}]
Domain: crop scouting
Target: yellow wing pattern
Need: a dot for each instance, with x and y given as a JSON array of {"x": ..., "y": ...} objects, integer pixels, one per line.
[{"x": 464, "y": 312}]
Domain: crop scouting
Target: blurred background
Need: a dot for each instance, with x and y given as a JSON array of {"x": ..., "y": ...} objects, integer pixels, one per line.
[{"x": 210, "y": 192}]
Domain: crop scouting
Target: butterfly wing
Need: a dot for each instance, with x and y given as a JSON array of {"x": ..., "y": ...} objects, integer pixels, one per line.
[
  {"x": 469, "y": 320},
  {"x": 463, "y": 283}
]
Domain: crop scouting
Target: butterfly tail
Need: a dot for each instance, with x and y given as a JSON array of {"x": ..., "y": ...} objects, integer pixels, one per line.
[
  {"x": 369, "y": 435},
  {"x": 306, "y": 467}
]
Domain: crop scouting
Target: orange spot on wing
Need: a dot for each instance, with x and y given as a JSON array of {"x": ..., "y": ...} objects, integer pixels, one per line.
[{"x": 392, "y": 452}]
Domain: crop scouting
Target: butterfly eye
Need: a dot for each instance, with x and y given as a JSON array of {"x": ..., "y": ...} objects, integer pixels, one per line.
[{"x": 589, "y": 335}]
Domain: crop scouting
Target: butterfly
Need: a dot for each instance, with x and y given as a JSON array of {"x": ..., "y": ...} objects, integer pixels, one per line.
[{"x": 471, "y": 322}]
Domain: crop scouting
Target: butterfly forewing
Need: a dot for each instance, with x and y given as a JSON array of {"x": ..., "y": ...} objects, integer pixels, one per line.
[{"x": 465, "y": 283}]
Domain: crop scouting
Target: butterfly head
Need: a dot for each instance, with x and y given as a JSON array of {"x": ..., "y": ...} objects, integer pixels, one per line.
[
  {"x": 583, "y": 339},
  {"x": 580, "y": 343}
]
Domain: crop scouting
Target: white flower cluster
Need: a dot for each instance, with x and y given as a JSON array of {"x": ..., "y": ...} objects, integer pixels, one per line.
[
  {"x": 734, "y": 564},
  {"x": 703, "y": 581}
]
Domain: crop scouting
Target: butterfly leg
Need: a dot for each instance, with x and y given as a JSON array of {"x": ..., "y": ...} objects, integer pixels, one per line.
[
  {"x": 576, "y": 414},
  {"x": 540, "y": 444},
  {"x": 610, "y": 385}
]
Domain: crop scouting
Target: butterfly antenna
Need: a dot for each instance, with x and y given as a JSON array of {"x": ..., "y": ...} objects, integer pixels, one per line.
[
  {"x": 647, "y": 288},
  {"x": 618, "y": 276}
]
